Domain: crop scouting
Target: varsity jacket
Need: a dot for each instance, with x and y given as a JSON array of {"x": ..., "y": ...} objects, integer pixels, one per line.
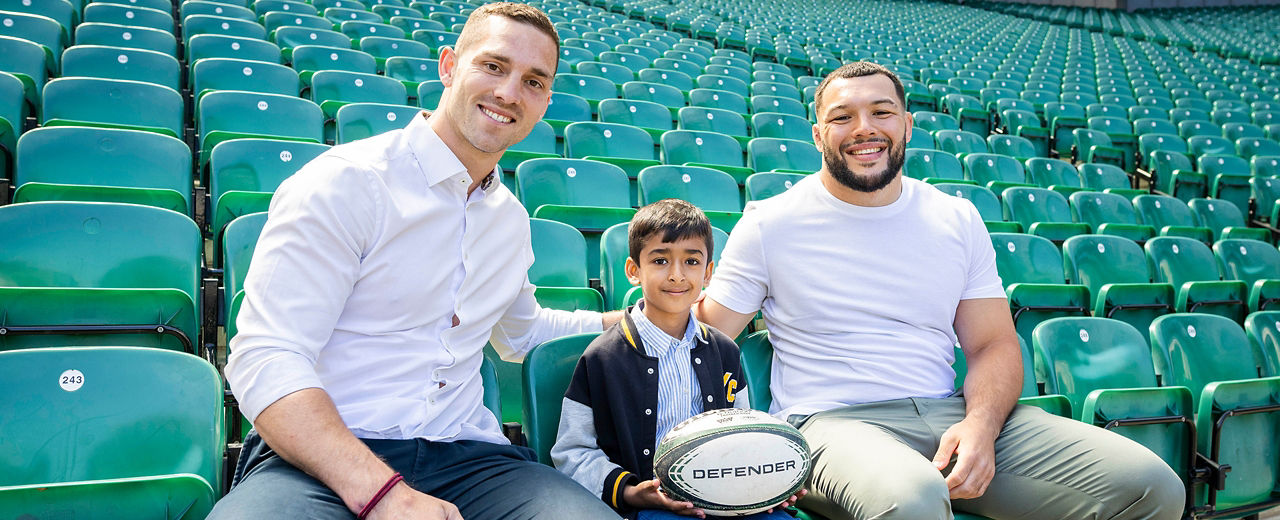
[{"x": 608, "y": 421}]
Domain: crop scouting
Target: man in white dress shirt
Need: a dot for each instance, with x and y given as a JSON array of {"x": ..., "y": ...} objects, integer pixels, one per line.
[{"x": 384, "y": 267}]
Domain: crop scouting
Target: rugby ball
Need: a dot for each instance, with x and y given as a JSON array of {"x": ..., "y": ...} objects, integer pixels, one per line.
[{"x": 732, "y": 462}]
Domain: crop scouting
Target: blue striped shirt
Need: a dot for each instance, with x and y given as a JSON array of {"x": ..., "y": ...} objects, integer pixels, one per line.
[{"x": 678, "y": 390}]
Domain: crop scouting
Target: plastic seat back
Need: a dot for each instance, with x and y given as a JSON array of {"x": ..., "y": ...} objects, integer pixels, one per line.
[
  {"x": 547, "y": 370},
  {"x": 112, "y": 431},
  {"x": 760, "y": 186},
  {"x": 113, "y": 103},
  {"x": 769, "y": 154},
  {"x": 91, "y": 263}
]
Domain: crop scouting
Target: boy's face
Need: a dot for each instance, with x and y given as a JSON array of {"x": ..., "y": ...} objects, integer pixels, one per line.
[{"x": 671, "y": 274}]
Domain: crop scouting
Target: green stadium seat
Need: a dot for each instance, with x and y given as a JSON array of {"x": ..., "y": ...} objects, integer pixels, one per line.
[
  {"x": 429, "y": 93},
  {"x": 1116, "y": 273},
  {"x": 13, "y": 119},
  {"x": 113, "y": 103},
  {"x": 290, "y": 37},
  {"x": 1011, "y": 145},
  {"x": 618, "y": 74},
  {"x": 1095, "y": 146},
  {"x": 777, "y": 105},
  {"x": 935, "y": 121},
  {"x": 1225, "y": 220},
  {"x": 760, "y": 186},
  {"x": 384, "y": 48},
  {"x": 1172, "y": 173},
  {"x": 560, "y": 270},
  {"x": 783, "y": 126},
  {"x": 412, "y": 71},
  {"x": 355, "y": 121},
  {"x": 1264, "y": 336},
  {"x": 547, "y": 371},
  {"x": 127, "y": 36},
  {"x": 1235, "y": 131},
  {"x": 1031, "y": 269},
  {"x": 1105, "y": 368},
  {"x": 276, "y": 20},
  {"x": 141, "y": 288},
  {"x": 413, "y": 23},
  {"x": 785, "y": 155},
  {"x": 1170, "y": 217},
  {"x": 74, "y": 163},
  {"x": 969, "y": 111},
  {"x": 1041, "y": 212},
  {"x": 588, "y": 195},
  {"x": 1229, "y": 179},
  {"x": 155, "y": 18},
  {"x": 62, "y": 12},
  {"x": 1189, "y": 265},
  {"x": 1110, "y": 214},
  {"x": 769, "y": 88},
  {"x": 722, "y": 99},
  {"x": 1254, "y": 262},
  {"x": 1211, "y": 356},
  {"x": 212, "y": 74},
  {"x": 308, "y": 59},
  {"x": 625, "y": 146},
  {"x": 651, "y": 117},
  {"x": 959, "y": 142},
  {"x": 331, "y": 89},
  {"x": 710, "y": 149},
  {"x": 1248, "y": 147},
  {"x": 41, "y": 30},
  {"x": 228, "y": 114},
  {"x": 986, "y": 202},
  {"x": 243, "y": 173},
  {"x": 995, "y": 171},
  {"x": 134, "y": 432},
  {"x": 358, "y": 30},
  {"x": 1194, "y": 127},
  {"x": 704, "y": 119},
  {"x": 218, "y": 46},
  {"x": 713, "y": 191},
  {"x": 933, "y": 166},
  {"x": 340, "y": 15},
  {"x": 238, "y": 244},
  {"x": 204, "y": 24},
  {"x": 153, "y": 4},
  {"x": 592, "y": 88},
  {"x": 673, "y": 78},
  {"x": 1055, "y": 174},
  {"x": 1063, "y": 119},
  {"x": 24, "y": 60}
]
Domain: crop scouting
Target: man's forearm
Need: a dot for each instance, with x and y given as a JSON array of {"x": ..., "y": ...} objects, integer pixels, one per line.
[
  {"x": 994, "y": 381},
  {"x": 304, "y": 428}
]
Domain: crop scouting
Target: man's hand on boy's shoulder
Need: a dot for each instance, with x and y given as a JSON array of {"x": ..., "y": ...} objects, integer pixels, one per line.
[{"x": 649, "y": 495}]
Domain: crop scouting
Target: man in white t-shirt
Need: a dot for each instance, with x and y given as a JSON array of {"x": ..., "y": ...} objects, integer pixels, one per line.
[{"x": 867, "y": 280}]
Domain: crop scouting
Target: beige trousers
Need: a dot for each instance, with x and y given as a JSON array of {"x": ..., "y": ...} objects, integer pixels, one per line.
[{"x": 874, "y": 461}]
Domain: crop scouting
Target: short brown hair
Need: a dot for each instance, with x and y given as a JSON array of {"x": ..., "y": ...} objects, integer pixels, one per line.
[
  {"x": 522, "y": 13},
  {"x": 675, "y": 219},
  {"x": 858, "y": 69}
]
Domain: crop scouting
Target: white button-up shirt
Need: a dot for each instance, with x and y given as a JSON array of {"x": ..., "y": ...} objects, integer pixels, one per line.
[{"x": 368, "y": 254}]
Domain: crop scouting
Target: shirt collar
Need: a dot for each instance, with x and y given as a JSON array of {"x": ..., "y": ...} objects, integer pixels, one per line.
[
  {"x": 692, "y": 331},
  {"x": 437, "y": 162}
]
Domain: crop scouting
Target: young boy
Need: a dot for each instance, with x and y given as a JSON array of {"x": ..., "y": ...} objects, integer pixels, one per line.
[{"x": 656, "y": 368}]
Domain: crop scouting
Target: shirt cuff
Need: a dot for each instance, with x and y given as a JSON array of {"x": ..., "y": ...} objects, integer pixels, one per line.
[
  {"x": 260, "y": 379},
  {"x": 589, "y": 321}
]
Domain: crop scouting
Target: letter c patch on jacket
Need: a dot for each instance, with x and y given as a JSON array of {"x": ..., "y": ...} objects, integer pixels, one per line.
[{"x": 730, "y": 386}]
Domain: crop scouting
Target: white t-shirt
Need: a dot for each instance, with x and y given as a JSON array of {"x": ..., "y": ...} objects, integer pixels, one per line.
[{"x": 859, "y": 301}]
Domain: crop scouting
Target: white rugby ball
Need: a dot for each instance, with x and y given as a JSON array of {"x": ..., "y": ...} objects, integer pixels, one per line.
[{"x": 732, "y": 462}]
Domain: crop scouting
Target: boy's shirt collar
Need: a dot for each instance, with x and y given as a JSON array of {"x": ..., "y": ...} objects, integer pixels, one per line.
[{"x": 651, "y": 333}]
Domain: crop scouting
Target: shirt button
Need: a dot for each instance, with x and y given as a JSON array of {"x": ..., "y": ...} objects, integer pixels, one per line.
[
  {"x": 648, "y": 411},
  {"x": 435, "y": 374},
  {"x": 650, "y": 371},
  {"x": 708, "y": 399},
  {"x": 646, "y": 451},
  {"x": 697, "y": 360},
  {"x": 431, "y": 400}
]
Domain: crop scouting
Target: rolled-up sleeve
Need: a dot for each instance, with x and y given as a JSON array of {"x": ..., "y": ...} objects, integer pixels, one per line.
[
  {"x": 741, "y": 281},
  {"x": 304, "y": 266}
]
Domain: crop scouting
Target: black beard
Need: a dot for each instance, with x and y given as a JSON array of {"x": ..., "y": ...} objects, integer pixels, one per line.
[{"x": 872, "y": 182}]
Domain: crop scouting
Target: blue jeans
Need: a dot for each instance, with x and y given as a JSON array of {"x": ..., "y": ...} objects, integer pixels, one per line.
[
  {"x": 485, "y": 481},
  {"x": 657, "y": 514}
]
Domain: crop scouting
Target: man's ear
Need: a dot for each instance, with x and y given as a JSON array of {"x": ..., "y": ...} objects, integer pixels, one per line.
[
  {"x": 448, "y": 63},
  {"x": 633, "y": 271}
]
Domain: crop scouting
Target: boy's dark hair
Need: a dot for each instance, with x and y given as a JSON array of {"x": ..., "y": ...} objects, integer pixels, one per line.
[
  {"x": 859, "y": 69},
  {"x": 675, "y": 219}
]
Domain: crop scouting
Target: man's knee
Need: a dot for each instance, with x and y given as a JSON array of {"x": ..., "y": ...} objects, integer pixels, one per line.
[
  {"x": 914, "y": 495},
  {"x": 1154, "y": 491}
]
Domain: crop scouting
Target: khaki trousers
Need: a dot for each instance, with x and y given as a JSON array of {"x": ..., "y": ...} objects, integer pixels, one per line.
[{"x": 874, "y": 461}]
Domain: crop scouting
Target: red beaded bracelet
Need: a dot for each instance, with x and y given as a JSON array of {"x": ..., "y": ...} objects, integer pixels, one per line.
[{"x": 377, "y": 497}]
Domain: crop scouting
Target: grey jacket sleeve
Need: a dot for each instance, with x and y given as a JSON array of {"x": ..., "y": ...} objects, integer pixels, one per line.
[{"x": 577, "y": 454}]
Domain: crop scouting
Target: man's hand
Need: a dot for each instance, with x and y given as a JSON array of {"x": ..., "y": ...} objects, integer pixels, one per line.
[
  {"x": 789, "y": 502},
  {"x": 648, "y": 495},
  {"x": 404, "y": 502},
  {"x": 973, "y": 445}
]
